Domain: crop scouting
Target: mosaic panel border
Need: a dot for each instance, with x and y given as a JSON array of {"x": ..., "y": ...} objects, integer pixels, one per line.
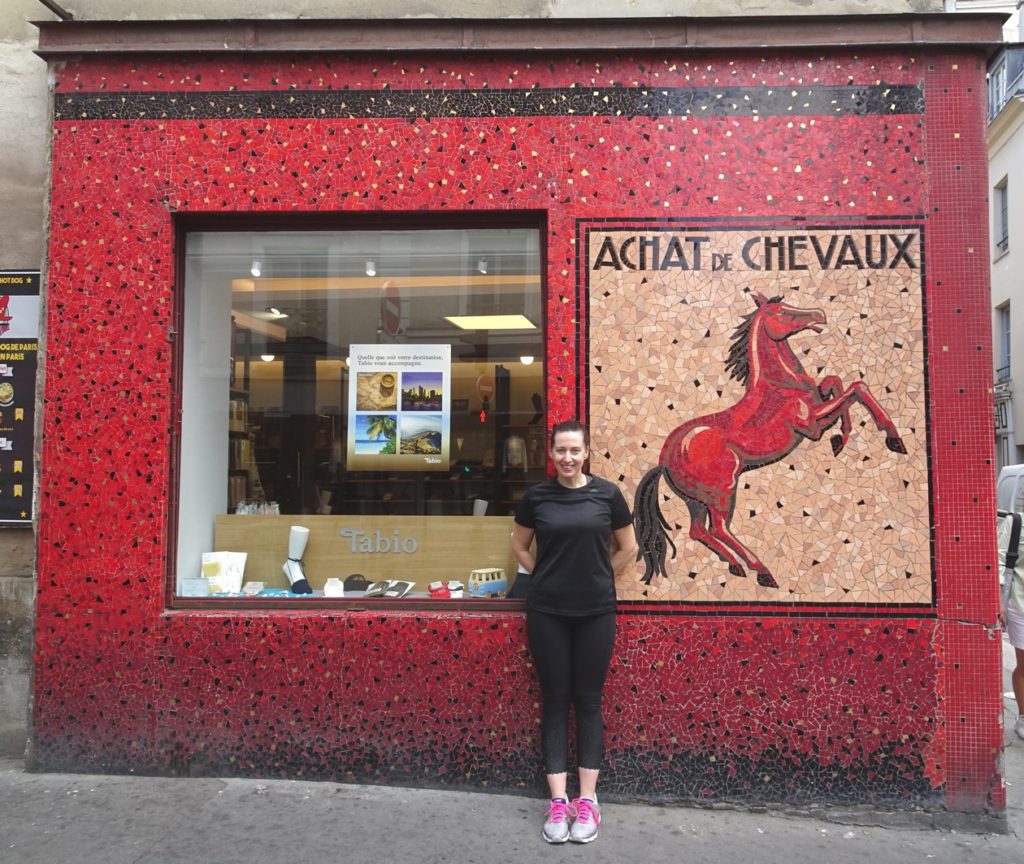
[
  {"x": 780, "y": 608},
  {"x": 388, "y": 103}
]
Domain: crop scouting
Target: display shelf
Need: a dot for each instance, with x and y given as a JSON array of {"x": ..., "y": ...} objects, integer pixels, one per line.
[
  {"x": 338, "y": 546},
  {"x": 318, "y": 593}
]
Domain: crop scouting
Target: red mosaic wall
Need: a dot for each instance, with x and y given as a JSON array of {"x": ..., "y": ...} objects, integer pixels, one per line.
[{"x": 773, "y": 703}]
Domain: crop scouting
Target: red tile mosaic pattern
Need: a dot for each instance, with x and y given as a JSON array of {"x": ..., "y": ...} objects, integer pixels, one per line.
[{"x": 721, "y": 703}]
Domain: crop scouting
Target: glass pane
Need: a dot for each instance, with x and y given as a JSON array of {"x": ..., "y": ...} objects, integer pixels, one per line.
[{"x": 378, "y": 373}]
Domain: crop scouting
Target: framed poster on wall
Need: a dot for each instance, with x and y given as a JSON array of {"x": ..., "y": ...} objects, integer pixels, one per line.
[
  {"x": 19, "y": 344},
  {"x": 399, "y": 407}
]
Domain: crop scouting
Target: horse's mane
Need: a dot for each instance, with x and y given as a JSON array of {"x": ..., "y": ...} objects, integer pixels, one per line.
[{"x": 738, "y": 363}]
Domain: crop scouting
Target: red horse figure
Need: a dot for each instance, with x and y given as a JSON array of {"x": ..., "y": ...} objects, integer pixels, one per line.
[{"x": 703, "y": 459}]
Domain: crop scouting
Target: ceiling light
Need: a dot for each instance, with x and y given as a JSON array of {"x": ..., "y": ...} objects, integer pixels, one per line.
[
  {"x": 481, "y": 265},
  {"x": 526, "y": 359},
  {"x": 371, "y": 267},
  {"x": 256, "y": 269},
  {"x": 267, "y": 358},
  {"x": 491, "y": 322}
]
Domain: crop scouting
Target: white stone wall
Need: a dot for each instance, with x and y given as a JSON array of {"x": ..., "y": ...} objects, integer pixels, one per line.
[
  {"x": 1011, "y": 8},
  {"x": 1006, "y": 160},
  {"x": 147, "y": 9},
  {"x": 24, "y": 107}
]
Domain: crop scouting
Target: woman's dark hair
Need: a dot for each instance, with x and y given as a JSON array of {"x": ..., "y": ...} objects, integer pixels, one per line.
[{"x": 570, "y": 426}]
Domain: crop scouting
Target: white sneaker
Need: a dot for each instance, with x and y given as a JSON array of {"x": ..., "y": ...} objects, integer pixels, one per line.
[{"x": 1018, "y": 727}]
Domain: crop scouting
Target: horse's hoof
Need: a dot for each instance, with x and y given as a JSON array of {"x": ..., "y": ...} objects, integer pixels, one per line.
[
  {"x": 736, "y": 570},
  {"x": 895, "y": 443},
  {"x": 837, "y": 444},
  {"x": 765, "y": 578}
]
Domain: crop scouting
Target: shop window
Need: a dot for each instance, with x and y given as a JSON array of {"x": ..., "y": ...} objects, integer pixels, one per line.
[{"x": 360, "y": 411}]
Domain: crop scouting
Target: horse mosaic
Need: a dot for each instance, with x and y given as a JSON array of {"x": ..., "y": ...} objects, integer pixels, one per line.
[{"x": 702, "y": 460}]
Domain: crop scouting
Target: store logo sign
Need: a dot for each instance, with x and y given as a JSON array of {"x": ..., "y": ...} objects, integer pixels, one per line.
[{"x": 379, "y": 543}]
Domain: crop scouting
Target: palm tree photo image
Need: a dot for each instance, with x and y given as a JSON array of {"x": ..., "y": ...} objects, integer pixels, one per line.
[{"x": 376, "y": 434}]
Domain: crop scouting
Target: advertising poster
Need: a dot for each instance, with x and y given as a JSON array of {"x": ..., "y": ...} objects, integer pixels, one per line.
[
  {"x": 768, "y": 415},
  {"x": 19, "y": 344},
  {"x": 399, "y": 407}
]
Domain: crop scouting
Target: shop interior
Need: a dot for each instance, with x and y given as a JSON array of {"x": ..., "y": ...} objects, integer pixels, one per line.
[{"x": 298, "y": 305}]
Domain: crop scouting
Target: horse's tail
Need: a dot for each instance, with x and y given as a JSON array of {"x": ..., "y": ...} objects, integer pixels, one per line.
[{"x": 651, "y": 527}]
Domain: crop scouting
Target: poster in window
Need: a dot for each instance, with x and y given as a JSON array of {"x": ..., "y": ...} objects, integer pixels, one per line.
[
  {"x": 19, "y": 343},
  {"x": 399, "y": 407}
]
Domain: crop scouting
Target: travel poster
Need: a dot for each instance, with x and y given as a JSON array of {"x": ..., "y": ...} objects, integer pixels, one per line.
[{"x": 399, "y": 407}]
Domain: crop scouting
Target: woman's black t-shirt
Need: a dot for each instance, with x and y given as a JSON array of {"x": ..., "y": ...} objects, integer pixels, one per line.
[{"x": 573, "y": 527}]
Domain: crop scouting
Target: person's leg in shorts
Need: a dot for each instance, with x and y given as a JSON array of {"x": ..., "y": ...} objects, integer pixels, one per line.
[{"x": 1015, "y": 633}]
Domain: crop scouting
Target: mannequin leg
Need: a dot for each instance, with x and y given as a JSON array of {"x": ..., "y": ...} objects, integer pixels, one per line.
[{"x": 297, "y": 539}]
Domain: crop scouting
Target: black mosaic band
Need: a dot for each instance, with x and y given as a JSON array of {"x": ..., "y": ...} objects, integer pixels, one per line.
[{"x": 877, "y": 99}]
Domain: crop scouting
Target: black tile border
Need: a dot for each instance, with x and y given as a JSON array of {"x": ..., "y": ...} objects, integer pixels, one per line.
[{"x": 785, "y": 100}]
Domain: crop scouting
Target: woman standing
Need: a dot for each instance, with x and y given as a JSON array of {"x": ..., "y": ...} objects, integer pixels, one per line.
[{"x": 570, "y": 618}]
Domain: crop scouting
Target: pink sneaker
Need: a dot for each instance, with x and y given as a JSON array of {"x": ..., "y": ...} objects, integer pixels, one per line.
[
  {"x": 556, "y": 825},
  {"x": 588, "y": 817}
]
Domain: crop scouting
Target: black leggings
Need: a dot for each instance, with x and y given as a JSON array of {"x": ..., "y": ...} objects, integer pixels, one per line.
[{"x": 572, "y": 655}]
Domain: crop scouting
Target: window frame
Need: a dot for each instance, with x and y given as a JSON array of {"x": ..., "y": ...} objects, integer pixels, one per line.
[
  {"x": 997, "y": 88},
  {"x": 1004, "y": 343},
  {"x": 1001, "y": 218},
  {"x": 184, "y": 224}
]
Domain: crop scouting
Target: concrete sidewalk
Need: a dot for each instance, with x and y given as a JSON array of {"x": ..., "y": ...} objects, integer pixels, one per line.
[{"x": 89, "y": 819}]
